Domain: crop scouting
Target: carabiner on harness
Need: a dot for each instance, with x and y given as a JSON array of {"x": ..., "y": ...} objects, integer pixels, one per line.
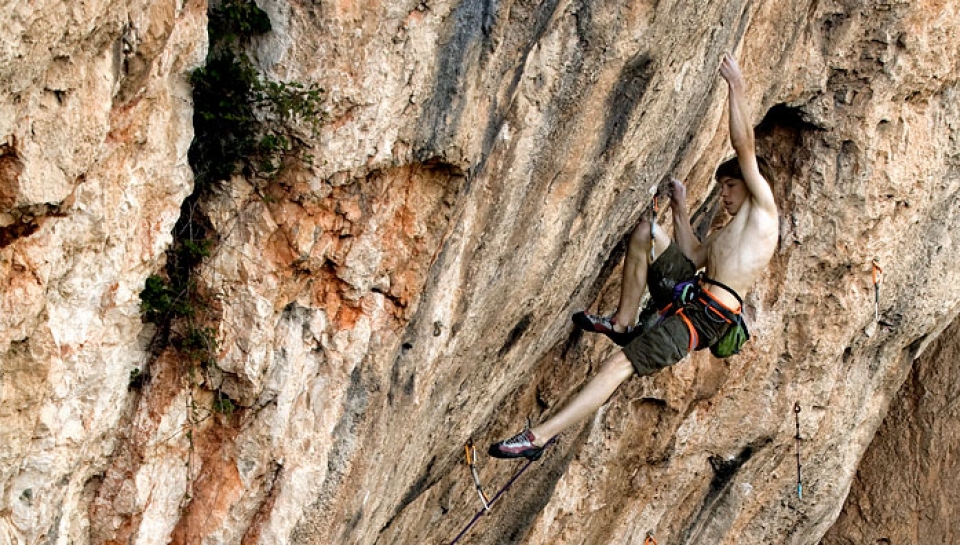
[{"x": 686, "y": 291}]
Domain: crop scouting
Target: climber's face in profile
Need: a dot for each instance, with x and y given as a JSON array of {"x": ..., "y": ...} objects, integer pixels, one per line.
[{"x": 733, "y": 192}]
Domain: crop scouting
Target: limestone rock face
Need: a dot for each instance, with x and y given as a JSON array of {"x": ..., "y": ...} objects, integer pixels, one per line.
[
  {"x": 905, "y": 490},
  {"x": 95, "y": 123},
  {"x": 411, "y": 288}
]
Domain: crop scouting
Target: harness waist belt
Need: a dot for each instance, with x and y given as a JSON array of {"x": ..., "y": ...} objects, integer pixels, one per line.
[
  {"x": 728, "y": 289},
  {"x": 716, "y": 305}
]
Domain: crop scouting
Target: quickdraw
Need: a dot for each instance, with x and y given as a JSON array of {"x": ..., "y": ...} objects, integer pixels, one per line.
[
  {"x": 471, "y": 453},
  {"x": 796, "y": 412},
  {"x": 653, "y": 229},
  {"x": 877, "y": 280}
]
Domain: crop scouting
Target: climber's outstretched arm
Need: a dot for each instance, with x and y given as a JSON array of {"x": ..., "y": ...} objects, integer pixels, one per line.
[{"x": 741, "y": 136}]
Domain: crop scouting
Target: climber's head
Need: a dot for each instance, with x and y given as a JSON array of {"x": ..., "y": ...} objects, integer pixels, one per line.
[{"x": 733, "y": 190}]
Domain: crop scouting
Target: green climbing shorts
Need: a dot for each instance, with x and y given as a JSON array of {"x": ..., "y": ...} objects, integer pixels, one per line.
[{"x": 694, "y": 327}]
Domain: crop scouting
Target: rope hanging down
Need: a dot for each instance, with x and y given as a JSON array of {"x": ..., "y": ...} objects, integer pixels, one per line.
[{"x": 471, "y": 459}]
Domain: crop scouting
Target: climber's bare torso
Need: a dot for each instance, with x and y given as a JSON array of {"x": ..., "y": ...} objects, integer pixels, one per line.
[{"x": 738, "y": 252}]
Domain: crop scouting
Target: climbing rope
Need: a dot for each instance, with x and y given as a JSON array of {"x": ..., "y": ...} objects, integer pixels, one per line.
[{"x": 649, "y": 540}]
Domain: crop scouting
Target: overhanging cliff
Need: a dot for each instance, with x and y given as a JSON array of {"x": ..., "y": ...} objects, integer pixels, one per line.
[{"x": 411, "y": 288}]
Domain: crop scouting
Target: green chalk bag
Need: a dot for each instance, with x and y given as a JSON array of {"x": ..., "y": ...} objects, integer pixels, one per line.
[{"x": 732, "y": 340}]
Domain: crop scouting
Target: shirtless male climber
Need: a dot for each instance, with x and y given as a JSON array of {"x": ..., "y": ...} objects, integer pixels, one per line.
[{"x": 733, "y": 256}]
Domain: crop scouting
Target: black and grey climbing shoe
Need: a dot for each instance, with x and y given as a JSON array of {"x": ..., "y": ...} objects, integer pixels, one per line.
[{"x": 604, "y": 325}]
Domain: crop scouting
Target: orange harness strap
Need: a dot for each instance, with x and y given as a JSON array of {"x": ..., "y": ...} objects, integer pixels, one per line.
[
  {"x": 694, "y": 338},
  {"x": 669, "y": 311}
]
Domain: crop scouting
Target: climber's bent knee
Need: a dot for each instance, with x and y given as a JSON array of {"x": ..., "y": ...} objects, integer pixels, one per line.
[
  {"x": 617, "y": 365},
  {"x": 640, "y": 238}
]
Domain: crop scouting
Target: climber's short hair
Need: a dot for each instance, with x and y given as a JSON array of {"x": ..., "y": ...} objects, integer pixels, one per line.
[{"x": 731, "y": 169}]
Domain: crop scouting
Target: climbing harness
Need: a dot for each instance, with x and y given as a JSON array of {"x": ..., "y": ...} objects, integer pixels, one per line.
[
  {"x": 471, "y": 452},
  {"x": 796, "y": 412},
  {"x": 737, "y": 335},
  {"x": 877, "y": 280},
  {"x": 471, "y": 460}
]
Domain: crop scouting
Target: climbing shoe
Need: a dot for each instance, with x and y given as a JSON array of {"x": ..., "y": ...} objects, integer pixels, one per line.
[
  {"x": 604, "y": 325},
  {"x": 519, "y": 446}
]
